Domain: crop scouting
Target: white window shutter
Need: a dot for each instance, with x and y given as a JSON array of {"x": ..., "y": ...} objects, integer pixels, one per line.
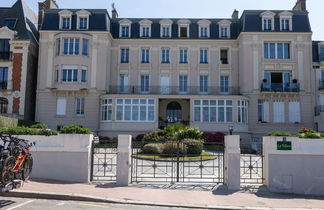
[
  {"x": 61, "y": 106},
  {"x": 279, "y": 111}
]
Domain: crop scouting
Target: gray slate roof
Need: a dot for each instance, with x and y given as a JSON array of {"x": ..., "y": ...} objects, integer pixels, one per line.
[{"x": 26, "y": 21}]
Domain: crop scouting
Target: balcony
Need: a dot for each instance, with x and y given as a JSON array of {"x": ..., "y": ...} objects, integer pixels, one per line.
[
  {"x": 321, "y": 85},
  {"x": 280, "y": 87},
  {"x": 3, "y": 85},
  {"x": 319, "y": 109},
  {"x": 173, "y": 90},
  {"x": 5, "y": 56}
]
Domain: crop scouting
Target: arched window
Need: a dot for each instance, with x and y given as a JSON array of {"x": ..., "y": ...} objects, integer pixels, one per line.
[
  {"x": 3, "y": 105},
  {"x": 174, "y": 112}
]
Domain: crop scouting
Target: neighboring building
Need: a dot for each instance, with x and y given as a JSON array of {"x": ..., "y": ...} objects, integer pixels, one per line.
[
  {"x": 119, "y": 75},
  {"x": 318, "y": 65},
  {"x": 18, "y": 61}
]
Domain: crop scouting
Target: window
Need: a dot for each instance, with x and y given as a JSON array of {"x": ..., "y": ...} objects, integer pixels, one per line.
[
  {"x": 71, "y": 46},
  {"x": 224, "y": 81},
  {"x": 145, "y": 83},
  {"x": 84, "y": 74},
  {"x": 61, "y": 106},
  {"x": 224, "y": 33},
  {"x": 66, "y": 22},
  {"x": 123, "y": 83},
  {"x": 4, "y": 45},
  {"x": 242, "y": 111},
  {"x": 79, "y": 106},
  {"x": 145, "y": 31},
  {"x": 145, "y": 55},
  {"x": 3, "y": 105},
  {"x": 203, "y": 83},
  {"x": 83, "y": 21},
  {"x": 267, "y": 24},
  {"x": 277, "y": 81},
  {"x": 322, "y": 74},
  {"x": 141, "y": 110},
  {"x": 204, "y": 32},
  {"x": 85, "y": 43},
  {"x": 183, "y": 83},
  {"x": 70, "y": 74},
  {"x": 276, "y": 50},
  {"x": 58, "y": 46},
  {"x": 165, "y": 55},
  {"x": 11, "y": 23},
  {"x": 278, "y": 112},
  {"x": 321, "y": 54},
  {"x": 3, "y": 78},
  {"x": 124, "y": 31},
  {"x": 294, "y": 111},
  {"x": 165, "y": 31},
  {"x": 106, "y": 110},
  {"x": 224, "y": 56},
  {"x": 183, "y": 56},
  {"x": 214, "y": 111},
  {"x": 124, "y": 55},
  {"x": 203, "y": 56},
  {"x": 183, "y": 31},
  {"x": 285, "y": 24},
  {"x": 263, "y": 111}
]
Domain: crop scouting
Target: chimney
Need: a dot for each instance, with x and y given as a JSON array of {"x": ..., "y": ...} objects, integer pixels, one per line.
[
  {"x": 114, "y": 13},
  {"x": 235, "y": 14},
  {"x": 300, "y": 5},
  {"x": 47, "y": 4}
]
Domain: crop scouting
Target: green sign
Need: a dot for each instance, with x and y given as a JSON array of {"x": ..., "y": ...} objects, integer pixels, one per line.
[{"x": 284, "y": 145}]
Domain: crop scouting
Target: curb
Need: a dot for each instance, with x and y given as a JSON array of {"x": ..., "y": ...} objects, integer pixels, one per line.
[{"x": 86, "y": 198}]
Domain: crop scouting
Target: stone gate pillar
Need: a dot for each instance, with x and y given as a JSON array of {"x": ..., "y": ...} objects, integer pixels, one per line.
[
  {"x": 232, "y": 162},
  {"x": 124, "y": 160}
]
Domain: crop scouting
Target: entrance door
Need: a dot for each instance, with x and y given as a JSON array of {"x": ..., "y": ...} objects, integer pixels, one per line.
[
  {"x": 165, "y": 84},
  {"x": 174, "y": 112}
]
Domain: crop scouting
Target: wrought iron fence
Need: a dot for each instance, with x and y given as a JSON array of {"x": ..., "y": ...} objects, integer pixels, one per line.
[{"x": 280, "y": 87}]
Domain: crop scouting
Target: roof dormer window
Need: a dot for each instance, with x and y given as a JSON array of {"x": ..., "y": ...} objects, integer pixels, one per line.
[
  {"x": 83, "y": 19},
  {"x": 268, "y": 21},
  {"x": 183, "y": 28},
  {"x": 165, "y": 28},
  {"x": 125, "y": 28},
  {"x": 145, "y": 28},
  {"x": 65, "y": 19},
  {"x": 224, "y": 29},
  {"x": 285, "y": 21},
  {"x": 204, "y": 28}
]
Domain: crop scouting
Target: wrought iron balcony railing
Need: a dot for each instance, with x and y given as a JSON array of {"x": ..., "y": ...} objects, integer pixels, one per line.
[
  {"x": 6, "y": 56},
  {"x": 3, "y": 85},
  {"x": 319, "y": 109},
  {"x": 174, "y": 90},
  {"x": 321, "y": 85},
  {"x": 280, "y": 87}
]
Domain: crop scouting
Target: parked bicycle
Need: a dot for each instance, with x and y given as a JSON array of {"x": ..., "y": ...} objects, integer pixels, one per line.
[{"x": 16, "y": 162}]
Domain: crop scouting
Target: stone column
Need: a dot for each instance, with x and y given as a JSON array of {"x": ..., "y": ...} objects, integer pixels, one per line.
[
  {"x": 232, "y": 162},
  {"x": 123, "y": 160}
]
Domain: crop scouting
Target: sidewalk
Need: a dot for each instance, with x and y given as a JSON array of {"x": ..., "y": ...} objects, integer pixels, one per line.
[{"x": 150, "y": 195}]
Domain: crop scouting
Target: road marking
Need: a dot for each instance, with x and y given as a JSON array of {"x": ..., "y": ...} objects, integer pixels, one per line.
[
  {"x": 92, "y": 205},
  {"x": 60, "y": 204},
  {"x": 20, "y": 205}
]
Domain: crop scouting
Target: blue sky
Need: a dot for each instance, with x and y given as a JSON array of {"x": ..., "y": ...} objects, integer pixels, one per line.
[{"x": 191, "y": 8}]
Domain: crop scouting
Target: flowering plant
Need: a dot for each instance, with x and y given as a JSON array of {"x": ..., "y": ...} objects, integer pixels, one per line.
[{"x": 305, "y": 130}]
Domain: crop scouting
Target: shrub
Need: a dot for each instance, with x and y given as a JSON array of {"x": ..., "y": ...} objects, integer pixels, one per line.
[
  {"x": 139, "y": 137},
  {"x": 8, "y": 122},
  {"x": 322, "y": 135},
  {"x": 27, "y": 131},
  {"x": 47, "y": 132},
  {"x": 171, "y": 148},
  {"x": 26, "y": 123},
  {"x": 306, "y": 130},
  {"x": 194, "y": 146},
  {"x": 188, "y": 132},
  {"x": 154, "y": 136},
  {"x": 75, "y": 129},
  {"x": 310, "y": 135},
  {"x": 40, "y": 126},
  {"x": 279, "y": 133},
  {"x": 152, "y": 149}
]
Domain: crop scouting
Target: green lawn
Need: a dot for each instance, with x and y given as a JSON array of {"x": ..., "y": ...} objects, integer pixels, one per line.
[{"x": 203, "y": 156}]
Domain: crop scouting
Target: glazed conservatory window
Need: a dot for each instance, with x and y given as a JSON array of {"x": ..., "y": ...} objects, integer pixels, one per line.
[
  {"x": 141, "y": 110},
  {"x": 106, "y": 110},
  {"x": 242, "y": 111},
  {"x": 214, "y": 111}
]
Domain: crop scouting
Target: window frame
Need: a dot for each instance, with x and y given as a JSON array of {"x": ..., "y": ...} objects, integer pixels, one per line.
[
  {"x": 108, "y": 103},
  {"x": 147, "y": 105},
  {"x": 79, "y": 106},
  {"x": 75, "y": 44},
  {"x": 216, "y": 107},
  {"x": 124, "y": 58}
]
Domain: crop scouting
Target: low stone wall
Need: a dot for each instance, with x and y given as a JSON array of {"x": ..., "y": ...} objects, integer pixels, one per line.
[
  {"x": 65, "y": 157},
  {"x": 299, "y": 170}
]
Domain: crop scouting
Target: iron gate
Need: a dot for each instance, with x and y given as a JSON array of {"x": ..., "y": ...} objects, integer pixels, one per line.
[
  {"x": 104, "y": 162},
  {"x": 207, "y": 167},
  {"x": 251, "y": 164}
]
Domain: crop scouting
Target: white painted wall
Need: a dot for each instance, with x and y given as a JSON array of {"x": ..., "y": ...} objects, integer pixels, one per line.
[
  {"x": 65, "y": 157},
  {"x": 298, "y": 171}
]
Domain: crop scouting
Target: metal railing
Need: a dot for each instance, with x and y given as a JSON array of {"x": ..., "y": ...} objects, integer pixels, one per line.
[
  {"x": 321, "y": 85},
  {"x": 280, "y": 87},
  {"x": 6, "y": 56},
  {"x": 3, "y": 85},
  {"x": 174, "y": 90},
  {"x": 319, "y": 109}
]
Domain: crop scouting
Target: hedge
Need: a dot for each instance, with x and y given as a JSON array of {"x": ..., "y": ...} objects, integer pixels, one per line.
[
  {"x": 75, "y": 129},
  {"x": 194, "y": 146},
  {"x": 152, "y": 149},
  {"x": 27, "y": 131}
]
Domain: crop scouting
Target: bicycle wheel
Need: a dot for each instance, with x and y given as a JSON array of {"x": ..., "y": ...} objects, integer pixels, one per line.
[
  {"x": 28, "y": 166},
  {"x": 7, "y": 175}
]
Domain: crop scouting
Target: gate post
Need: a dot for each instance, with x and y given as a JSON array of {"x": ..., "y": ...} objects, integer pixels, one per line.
[
  {"x": 232, "y": 162},
  {"x": 123, "y": 160}
]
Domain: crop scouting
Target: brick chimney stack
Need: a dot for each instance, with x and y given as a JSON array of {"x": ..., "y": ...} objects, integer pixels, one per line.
[
  {"x": 235, "y": 14},
  {"x": 47, "y": 4},
  {"x": 300, "y": 5}
]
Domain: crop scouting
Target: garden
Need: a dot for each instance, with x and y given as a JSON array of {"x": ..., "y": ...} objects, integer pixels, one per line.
[{"x": 305, "y": 133}]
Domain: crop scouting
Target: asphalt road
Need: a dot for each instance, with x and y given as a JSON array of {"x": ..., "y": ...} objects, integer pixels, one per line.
[{"x": 9, "y": 203}]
